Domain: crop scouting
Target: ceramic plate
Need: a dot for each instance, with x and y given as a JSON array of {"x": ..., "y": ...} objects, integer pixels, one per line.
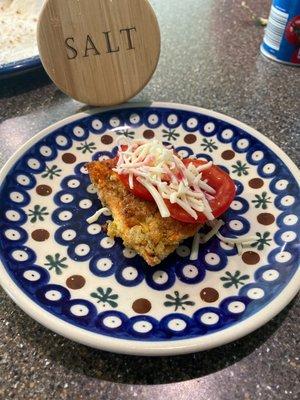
[
  {"x": 75, "y": 280},
  {"x": 19, "y": 52},
  {"x": 20, "y": 66}
]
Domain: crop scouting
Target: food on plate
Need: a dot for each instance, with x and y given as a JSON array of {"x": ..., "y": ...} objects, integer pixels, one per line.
[
  {"x": 18, "y": 21},
  {"x": 158, "y": 199},
  {"x": 138, "y": 222}
]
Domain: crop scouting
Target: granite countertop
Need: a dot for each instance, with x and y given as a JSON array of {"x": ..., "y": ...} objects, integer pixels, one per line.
[{"x": 210, "y": 59}]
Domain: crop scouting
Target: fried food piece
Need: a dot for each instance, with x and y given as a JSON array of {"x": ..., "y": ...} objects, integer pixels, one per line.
[{"x": 137, "y": 221}]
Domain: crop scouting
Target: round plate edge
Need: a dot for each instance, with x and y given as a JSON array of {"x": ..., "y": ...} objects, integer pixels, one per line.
[
  {"x": 150, "y": 348},
  {"x": 20, "y": 66}
]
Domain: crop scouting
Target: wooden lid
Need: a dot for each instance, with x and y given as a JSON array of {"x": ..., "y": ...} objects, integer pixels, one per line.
[{"x": 100, "y": 52}]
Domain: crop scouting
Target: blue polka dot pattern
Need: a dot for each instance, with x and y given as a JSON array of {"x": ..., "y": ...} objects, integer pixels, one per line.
[
  {"x": 86, "y": 249},
  {"x": 112, "y": 322},
  {"x": 142, "y": 327}
]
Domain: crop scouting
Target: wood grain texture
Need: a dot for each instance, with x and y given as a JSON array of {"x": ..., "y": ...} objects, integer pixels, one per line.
[{"x": 100, "y": 52}]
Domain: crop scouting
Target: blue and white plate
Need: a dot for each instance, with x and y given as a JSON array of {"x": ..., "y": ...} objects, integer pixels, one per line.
[
  {"x": 20, "y": 66},
  {"x": 72, "y": 278}
]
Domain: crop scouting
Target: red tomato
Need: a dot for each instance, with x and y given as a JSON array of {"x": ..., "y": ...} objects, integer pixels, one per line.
[
  {"x": 292, "y": 31},
  {"x": 138, "y": 189},
  {"x": 216, "y": 178}
]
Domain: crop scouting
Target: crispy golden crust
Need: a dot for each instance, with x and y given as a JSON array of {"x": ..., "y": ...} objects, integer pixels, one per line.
[{"x": 136, "y": 221}]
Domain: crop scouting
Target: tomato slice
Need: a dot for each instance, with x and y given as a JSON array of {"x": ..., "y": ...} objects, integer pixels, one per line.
[
  {"x": 216, "y": 178},
  {"x": 138, "y": 189}
]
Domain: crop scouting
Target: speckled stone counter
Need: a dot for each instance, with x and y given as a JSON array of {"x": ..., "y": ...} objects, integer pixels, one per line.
[{"x": 210, "y": 58}]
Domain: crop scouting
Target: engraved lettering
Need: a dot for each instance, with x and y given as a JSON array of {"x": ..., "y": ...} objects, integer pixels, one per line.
[
  {"x": 128, "y": 35},
  {"x": 70, "y": 48},
  {"x": 108, "y": 43},
  {"x": 90, "y": 46},
  {"x": 111, "y": 46}
]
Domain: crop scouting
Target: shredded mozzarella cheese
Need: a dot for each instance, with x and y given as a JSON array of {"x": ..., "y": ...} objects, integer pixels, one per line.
[
  {"x": 165, "y": 176},
  {"x": 214, "y": 231},
  {"x": 195, "y": 246},
  {"x": 199, "y": 238},
  {"x": 163, "y": 209},
  {"x": 236, "y": 241},
  {"x": 239, "y": 247},
  {"x": 97, "y": 214}
]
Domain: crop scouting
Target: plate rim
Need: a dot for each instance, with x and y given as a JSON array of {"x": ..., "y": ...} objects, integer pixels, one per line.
[
  {"x": 140, "y": 347},
  {"x": 20, "y": 66}
]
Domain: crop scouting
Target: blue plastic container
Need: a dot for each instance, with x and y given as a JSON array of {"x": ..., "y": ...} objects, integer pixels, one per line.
[{"x": 282, "y": 35}]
